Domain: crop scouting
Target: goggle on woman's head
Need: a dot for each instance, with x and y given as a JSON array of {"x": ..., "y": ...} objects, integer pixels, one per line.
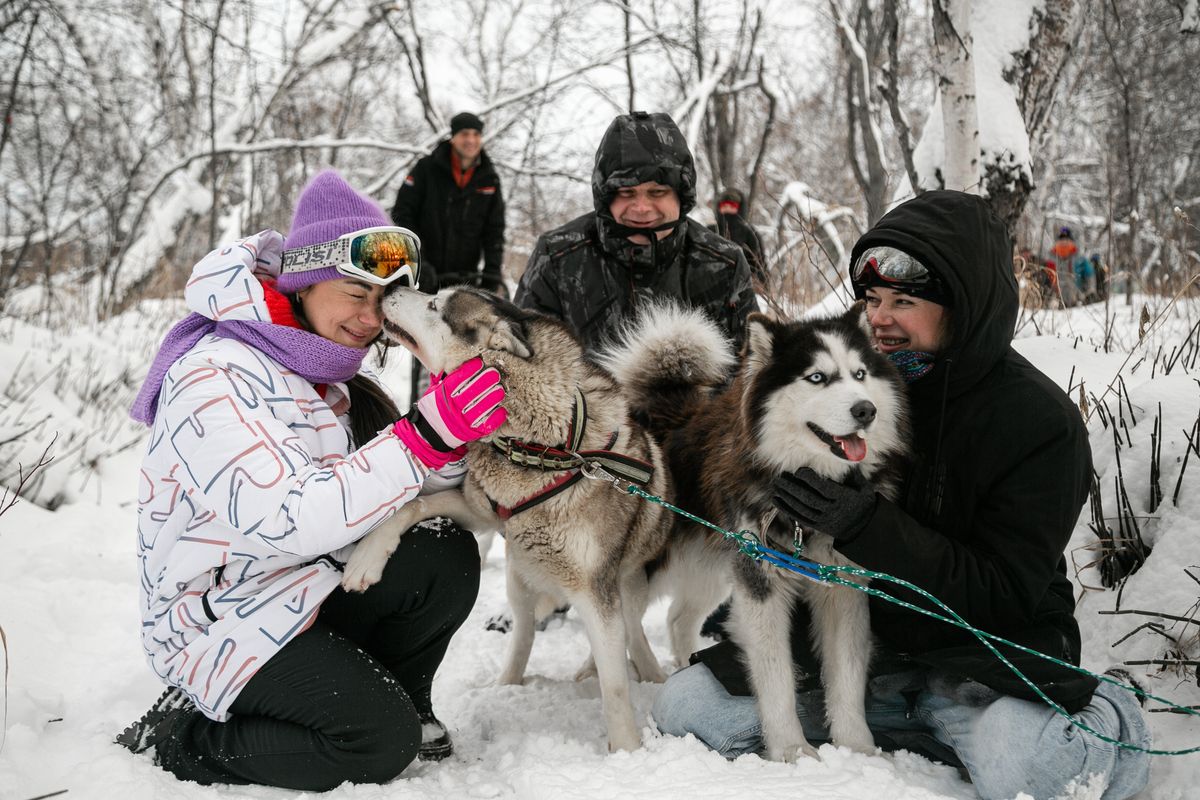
[
  {"x": 379, "y": 256},
  {"x": 890, "y": 268}
]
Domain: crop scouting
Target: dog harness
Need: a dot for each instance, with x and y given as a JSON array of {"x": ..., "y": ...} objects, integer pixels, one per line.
[{"x": 568, "y": 460}]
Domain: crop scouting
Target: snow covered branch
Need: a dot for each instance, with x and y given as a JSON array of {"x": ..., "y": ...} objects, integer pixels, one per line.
[
  {"x": 1191, "y": 17},
  {"x": 388, "y": 176},
  {"x": 694, "y": 104},
  {"x": 535, "y": 172},
  {"x": 797, "y": 200}
]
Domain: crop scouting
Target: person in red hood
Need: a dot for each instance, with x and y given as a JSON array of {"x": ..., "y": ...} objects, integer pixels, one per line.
[{"x": 1065, "y": 250}]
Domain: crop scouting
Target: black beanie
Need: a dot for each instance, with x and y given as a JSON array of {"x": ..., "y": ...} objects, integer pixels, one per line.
[{"x": 464, "y": 121}]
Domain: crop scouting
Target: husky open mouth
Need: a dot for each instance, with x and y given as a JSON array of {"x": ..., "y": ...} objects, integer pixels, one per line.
[
  {"x": 852, "y": 447},
  {"x": 399, "y": 334}
]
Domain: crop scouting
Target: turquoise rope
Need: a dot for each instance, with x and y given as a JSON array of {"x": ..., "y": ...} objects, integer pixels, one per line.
[{"x": 749, "y": 544}]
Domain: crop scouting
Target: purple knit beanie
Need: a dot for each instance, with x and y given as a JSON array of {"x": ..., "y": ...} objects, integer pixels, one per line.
[{"x": 328, "y": 207}]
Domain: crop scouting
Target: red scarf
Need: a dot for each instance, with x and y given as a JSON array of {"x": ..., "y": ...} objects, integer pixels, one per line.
[{"x": 461, "y": 178}]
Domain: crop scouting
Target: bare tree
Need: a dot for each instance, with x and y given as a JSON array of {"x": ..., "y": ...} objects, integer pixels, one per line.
[{"x": 865, "y": 149}]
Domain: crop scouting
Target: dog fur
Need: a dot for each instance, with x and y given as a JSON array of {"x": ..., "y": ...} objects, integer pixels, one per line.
[
  {"x": 725, "y": 450},
  {"x": 603, "y": 551}
]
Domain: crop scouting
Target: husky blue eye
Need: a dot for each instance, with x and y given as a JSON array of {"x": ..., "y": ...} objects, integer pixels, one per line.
[
  {"x": 816, "y": 377},
  {"x": 860, "y": 375}
]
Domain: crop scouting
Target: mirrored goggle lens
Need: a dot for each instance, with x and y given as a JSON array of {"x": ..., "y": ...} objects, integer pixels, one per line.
[
  {"x": 386, "y": 255},
  {"x": 891, "y": 264}
]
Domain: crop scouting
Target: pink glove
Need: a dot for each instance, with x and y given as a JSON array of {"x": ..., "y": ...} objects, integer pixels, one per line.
[{"x": 456, "y": 408}]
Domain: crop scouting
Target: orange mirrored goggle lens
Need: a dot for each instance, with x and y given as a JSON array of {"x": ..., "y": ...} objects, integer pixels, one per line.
[{"x": 385, "y": 253}]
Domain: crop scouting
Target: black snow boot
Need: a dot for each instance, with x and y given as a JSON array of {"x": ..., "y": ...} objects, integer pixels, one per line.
[
  {"x": 435, "y": 739},
  {"x": 157, "y": 723},
  {"x": 1122, "y": 675}
]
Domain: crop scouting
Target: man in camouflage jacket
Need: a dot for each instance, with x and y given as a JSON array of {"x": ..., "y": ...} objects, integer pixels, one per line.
[{"x": 638, "y": 244}]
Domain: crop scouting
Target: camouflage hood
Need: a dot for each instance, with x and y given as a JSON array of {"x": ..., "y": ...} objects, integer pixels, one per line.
[
  {"x": 642, "y": 147},
  {"x": 637, "y": 148}
]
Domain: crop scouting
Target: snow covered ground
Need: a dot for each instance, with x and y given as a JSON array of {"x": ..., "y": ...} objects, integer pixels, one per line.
[{"x": 75, "y": 673}]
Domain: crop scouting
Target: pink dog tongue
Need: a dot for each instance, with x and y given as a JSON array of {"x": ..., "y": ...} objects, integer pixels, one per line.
[{"x": 855, "y": 447}]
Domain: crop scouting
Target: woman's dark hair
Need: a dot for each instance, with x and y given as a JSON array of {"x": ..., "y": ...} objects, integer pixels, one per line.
[{"x": 371, "y": 409}]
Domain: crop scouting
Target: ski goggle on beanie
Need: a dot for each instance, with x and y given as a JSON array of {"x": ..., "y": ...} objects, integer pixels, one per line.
[
  {"x": 379, "y": 255},
  {"x": 895, "y": 269}
]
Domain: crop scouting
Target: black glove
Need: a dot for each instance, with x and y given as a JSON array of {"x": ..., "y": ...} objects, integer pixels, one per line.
[{"x": 839, "y": 510}]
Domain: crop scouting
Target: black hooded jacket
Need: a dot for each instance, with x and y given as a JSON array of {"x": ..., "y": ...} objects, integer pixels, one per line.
[
  {"x": 590, "y": 275},
  {"x": 1001, "y": 469},
  {"x": 456, "y": 225}
]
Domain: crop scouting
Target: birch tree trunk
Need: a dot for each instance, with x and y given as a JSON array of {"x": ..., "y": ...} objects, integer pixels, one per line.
[
  {"x": 956, "y": 74},
  {"x": 1036, "y": 75},
  {"x": 995, "y": 99}
]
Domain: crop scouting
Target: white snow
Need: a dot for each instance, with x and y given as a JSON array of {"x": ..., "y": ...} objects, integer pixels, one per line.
[{"x": 76, "y": 676}]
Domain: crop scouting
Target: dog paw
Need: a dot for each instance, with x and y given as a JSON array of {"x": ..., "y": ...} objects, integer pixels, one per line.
[
  {"x": 792, "y": 752},
  {"x": 365, "y": 567},
  {"x": 648, "y": 673},
  {"x": 857, "y": 737},
  {"x": 360, "y": 577},
  {"x": 627, "y": 745},
  {"x": 627, "y": 740}
]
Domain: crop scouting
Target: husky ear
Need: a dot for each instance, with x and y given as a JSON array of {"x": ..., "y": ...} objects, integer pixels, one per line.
[
  {"x": 509, "y": 336},
  {"x": 857, "y": 315},
  {"x": 760, "y": 341}
]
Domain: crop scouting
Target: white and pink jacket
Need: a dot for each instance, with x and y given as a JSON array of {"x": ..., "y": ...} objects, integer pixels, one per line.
[{"x": 248, "y": 495}]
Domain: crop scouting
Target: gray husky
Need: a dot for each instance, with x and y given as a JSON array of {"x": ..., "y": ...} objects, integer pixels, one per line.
[
  {"x": 574, "y": 539},
  {"x": 809, "y": 394}
]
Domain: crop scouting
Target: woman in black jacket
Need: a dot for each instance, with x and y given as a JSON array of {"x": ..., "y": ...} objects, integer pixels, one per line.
[{"x": 1001, "y": 468}]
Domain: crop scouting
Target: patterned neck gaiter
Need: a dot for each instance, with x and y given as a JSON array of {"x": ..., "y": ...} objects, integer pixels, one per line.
[{"x": 912, "y": 364}]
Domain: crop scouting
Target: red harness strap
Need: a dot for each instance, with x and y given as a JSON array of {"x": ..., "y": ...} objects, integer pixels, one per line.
[
  {"x": 559, "y": 484},
  {"x": 566, "y": 460}
]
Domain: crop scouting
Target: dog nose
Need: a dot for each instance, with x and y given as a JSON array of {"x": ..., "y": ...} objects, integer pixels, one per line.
[{"x": 863, "y": 411}]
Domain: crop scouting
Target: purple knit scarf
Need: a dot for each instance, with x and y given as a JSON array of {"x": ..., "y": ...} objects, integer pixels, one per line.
[{"x": 312, "y": 357}]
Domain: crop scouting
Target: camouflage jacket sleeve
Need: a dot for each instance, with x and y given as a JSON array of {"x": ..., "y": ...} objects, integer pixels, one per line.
[
  {"x": 742, "y": 301},
  {"x": 537, "y": 289}
]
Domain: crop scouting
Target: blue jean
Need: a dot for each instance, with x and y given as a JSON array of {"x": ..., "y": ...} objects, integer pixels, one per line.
[{"x": 1006, "y": 745}]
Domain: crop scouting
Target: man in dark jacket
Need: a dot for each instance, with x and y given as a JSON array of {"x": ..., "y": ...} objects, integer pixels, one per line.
[
  {"x": 452, "y": 200},
  {"x": 1001, "y": 468},
  {"x": 638, "y": 244},
  {"x": 731, "y": 223}
]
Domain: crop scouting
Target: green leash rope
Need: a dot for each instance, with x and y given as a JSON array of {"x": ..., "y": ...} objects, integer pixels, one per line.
[
  {"x": 830, "y": 574},
  {"x": 750, "y": 545}
]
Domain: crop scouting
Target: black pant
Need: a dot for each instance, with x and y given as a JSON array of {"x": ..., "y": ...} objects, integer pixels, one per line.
[{"x": 340, "y": 701}]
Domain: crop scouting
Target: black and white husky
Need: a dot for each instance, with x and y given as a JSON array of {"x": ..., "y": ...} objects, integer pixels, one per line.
[{"x": 808, "y": 394}]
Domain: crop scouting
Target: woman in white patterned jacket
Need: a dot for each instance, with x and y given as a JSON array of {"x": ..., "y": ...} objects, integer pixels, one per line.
[{"x": 271, "y": 452}]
